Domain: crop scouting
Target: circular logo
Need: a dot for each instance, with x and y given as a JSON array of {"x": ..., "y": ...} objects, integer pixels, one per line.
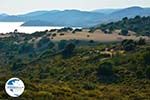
[{"x": 14, "y": 87}]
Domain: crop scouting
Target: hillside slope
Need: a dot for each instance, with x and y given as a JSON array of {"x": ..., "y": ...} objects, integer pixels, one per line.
[
  {"x": 72, "y": 70},
  {"x": 138, "y": 24}
]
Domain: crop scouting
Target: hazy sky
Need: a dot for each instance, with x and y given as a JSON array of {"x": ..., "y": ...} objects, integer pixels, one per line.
[{"x": 23, "y": 6}]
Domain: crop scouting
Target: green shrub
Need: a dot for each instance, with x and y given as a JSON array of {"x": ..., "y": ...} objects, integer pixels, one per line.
[
  {"x": 89, "y": 86},
  {"x": 105, "y": 69},
  {"x": 124, "y": 32},
  {"x": 26, "y": 48},
  {"x": 141, "y": 41},
  {"x": 146, "y": 58},
  {"x": 128, "y": 45},
  {"x": 68, "y": 51},
  {"x": 45, "y": 42},
  {"x": 62, "y": 44},
  {"x": 77, "y": 30},
  {"x": 148, "y": 72}
]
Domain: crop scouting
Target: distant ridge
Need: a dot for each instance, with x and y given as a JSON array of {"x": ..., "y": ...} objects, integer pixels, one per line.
[
  {"x": 132, "y": 11},
  {"x": 105, "y": 11},
  {"x": 75, "y": 18}
]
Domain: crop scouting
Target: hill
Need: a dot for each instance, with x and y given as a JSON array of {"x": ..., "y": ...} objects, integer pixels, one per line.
[
  {"x": 73, "y": 70},
  {"x": 106, "y": 11},
  {"x": 130, "y": 13},
  {"x": 36, "y": 23},
  {"x": 138, "y": 24},
  {"x": 3, "y": 15},
  {"x": 77, "y": 18},
  {"x": 59, "y": 18}
]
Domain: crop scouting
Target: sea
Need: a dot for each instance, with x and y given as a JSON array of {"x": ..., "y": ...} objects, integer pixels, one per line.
[{"x": 6, "y": 27}]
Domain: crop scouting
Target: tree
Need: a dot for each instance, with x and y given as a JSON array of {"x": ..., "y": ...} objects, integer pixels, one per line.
[
  {"x": 15, "y": 31},
  {"x": 68, "y": 51},
  {"x": 128, "y": 45},
  {"x": 137, "y": 18},
  {"x": 65, "y": 29},
  {"x": 17, "y": 65},
  {"x": 125, "y": 19},
  {"x": 43, "y": 41},
  {"x": 148, "y": 72},
  {"x": 26, "y": 48},
  {"x": 2, "y": 45},
  {"x": 62, "y": 44},
  {"x": 91, "y": 41},
  {"x": 92, "y": 30},
  {"x": 77, "y": 30},
  {"x": 50, "y": 44},
  {"x": 147, "y": 33},
  {"x": 141, "y": 41},
  {"x": 139, "y": 74},
  {"x": 146, "y": 58},
  {"x": 124, "y": 32},
  {"x": 111, "y": 29},
  {"x": 105, "y": 69},
  {"x": 106, "y": 73}
]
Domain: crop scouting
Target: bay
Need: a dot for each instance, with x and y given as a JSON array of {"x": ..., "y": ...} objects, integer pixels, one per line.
[{"x": 6, "y": 27}]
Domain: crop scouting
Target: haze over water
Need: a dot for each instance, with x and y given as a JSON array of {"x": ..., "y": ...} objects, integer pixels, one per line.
[{"x": 6, "y": 27}]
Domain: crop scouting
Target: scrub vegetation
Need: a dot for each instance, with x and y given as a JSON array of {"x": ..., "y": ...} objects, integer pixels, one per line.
[{"x": 75, "y": 69}]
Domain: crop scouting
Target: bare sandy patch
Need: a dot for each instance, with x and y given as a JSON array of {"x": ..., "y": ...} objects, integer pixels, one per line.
[{"x": 97, "y": 36}]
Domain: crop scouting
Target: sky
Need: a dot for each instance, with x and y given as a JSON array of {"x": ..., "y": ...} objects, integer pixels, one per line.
[{"x": 24, "y": 6}]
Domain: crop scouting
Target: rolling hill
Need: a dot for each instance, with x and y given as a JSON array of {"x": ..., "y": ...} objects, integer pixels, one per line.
[
  {"x": 130, "y": 12},
  {"x": 75, "y": 18},
  {"x": 74, "y": 69},
  {"x": 138, "y": 24},
  {"x": 106, "y": 11}
]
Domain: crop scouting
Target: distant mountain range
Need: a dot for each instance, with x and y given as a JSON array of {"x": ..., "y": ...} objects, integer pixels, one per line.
[
  {"x": 106, "y": 11},
  {"x": 74, "y": 18}
]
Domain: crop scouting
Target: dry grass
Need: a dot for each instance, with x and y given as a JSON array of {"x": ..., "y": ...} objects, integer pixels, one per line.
[
  {"x": 97, "y": 36},
  {"x": 85, "y": 35}
]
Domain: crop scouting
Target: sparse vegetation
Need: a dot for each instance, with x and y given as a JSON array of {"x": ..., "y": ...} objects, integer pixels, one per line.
[
  {"x": 67, "y": 70},
  {"x": 76, "y": 30},
  {"x": 124, "y": 32},
  {"x": 64, "y": 29},
  {"x": 79, "y": 69},
  {"x": 140, "y": 25},
  {"x": 128, "y": 45}
]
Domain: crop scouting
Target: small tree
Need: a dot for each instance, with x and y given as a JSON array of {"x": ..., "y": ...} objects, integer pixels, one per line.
[
  {"x": 16, "y": 66},
  {"x": 68, "y": 51},
  {"x": 92, "y": 30},
  {"x": 148, "y": 72},
  {"x": 26, "y": 48},
  {"x": 124, "y": 32},
  {"x": 111, "y": 29},
  {"x": 77, "y": 30},
  {"x": 91, "y": 41},
  {"x": 105, "y": 69},
  {"x": 141, "y": 41},
  {"x": 128, "y": 45},
  {"x": 146, "y": 58},
  {"x": 43, "y": 41},
  {"x": 2, "y": 45},
  {"x": 125, "y": 19},
  {"x": 139, "y": 74},
  {"x": 147, "y": 33},
  {"x": 62, "y": 44}
]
